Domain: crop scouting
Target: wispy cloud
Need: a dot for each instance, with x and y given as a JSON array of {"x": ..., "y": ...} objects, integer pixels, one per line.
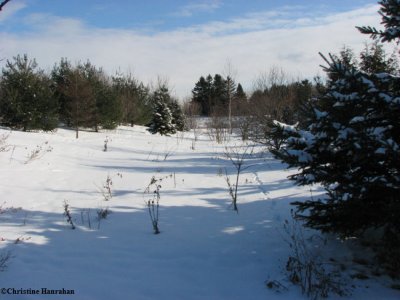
[
  {"x": 184, "y": 55},
  {"x": 199, "y": 7}
]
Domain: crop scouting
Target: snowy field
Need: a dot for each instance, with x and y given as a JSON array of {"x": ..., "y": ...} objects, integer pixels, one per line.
[{"x": 205, "y": 250}]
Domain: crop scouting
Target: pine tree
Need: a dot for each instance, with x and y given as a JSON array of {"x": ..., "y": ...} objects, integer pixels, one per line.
[
  {"x": 108, "y": 111},
  {"x": 27, "y": 98},
  {"x": 134, "y": 99},
  {"x": 81, "y": 104},
  {"x": 59, "y": 76}
]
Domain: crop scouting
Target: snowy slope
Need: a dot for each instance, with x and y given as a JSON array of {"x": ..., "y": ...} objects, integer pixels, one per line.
[{"x": 205, "y": 250}]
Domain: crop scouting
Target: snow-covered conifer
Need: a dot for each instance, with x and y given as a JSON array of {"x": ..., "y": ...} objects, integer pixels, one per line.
[
  {"x": 351, "y": 148},
  {"x": 162, "y": 119}
]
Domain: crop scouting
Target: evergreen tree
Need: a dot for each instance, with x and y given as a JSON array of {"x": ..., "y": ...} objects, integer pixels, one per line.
[
  {"x": 81, "y": 103},
  {"x": 347, "y": 58},
  {"x": 178, "y": 118},
  {"x": 216, "y": 94},
  {"x": 134, "y": 99},
  {"x": 27, "y": 100},
  {"x": 59, "y": 76},
  {"x": 390, "y": 12},
  {"x": 240, "y": 95},
  {"x": 374, "y": 60},
  {"x": 220, "y": 100},
  {"x": 109, "y": 107},
  {"x": 162, "y": 120},
  {"x": 351, "y": 147},
  {"x": 202, "y": 94},
  {"x": 108, "y": 111}
]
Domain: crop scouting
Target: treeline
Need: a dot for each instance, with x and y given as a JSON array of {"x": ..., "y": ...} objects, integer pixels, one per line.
[
  {"x": 78, "y": 96},
  {"x": 276, "y": 96}
]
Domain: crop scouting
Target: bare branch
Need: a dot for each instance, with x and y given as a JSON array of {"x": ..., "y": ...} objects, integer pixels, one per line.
[{"x": 3, "y": 3}]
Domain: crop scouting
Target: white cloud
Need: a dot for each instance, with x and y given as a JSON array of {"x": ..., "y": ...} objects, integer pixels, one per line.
[{"x": 250, "y": 43}]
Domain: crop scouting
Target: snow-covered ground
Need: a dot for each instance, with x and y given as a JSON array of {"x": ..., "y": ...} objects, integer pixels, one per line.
[{"x": 205, "y": 250}]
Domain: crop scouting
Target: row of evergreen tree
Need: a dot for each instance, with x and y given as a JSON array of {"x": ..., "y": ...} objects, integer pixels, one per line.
[
  {"x": 80, "y": 96},
  {"x": 215, "y": 93}
]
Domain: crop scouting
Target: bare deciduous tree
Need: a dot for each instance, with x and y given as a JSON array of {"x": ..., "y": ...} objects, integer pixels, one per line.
[
  {"x": 230, "y": 73},
  {"x": 237, "y": 155}
]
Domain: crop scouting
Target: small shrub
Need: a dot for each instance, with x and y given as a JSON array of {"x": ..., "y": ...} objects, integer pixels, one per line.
[
  {"x": 4, "y": 147},
  {"x": 105, "y": 189},
  {"x": 102, "y": 214},
  {"x": 86, "y": 212},
  {"x": 153, "y": 204},
  {"x": 306, "y": 268},
  {"x": 4, "y": 259},
  {"x": 38, "y": 152},
  {"x": 67, "y": 214},
  {"x": 275, "y": 285},
  {"x": 106, "y": 144}
]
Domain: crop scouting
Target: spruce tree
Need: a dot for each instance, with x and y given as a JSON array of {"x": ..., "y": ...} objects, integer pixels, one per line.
[
  {"x": 351, "y": 147},
  {"x": 162, "y": 120},
  {"x": 240, "y": 95},
  {"x": 390, "y": 12},
  {"x": 178, "y": 118},
  {"x": 375, "y": 60}
]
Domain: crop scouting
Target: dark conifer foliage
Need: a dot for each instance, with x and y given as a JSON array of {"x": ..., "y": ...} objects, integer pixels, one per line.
[
  {"x": 213, "y": 94},
  {"x": 134, "y": 98},
  {"x": 167, "y": 117},
  {"x": 352, "y": 144},
  {"x": 390, "y": 13},
  {"x": 178, "y": 118},
  {"x": 240, "y": 95},
  {"x": 60, "y": 76},
  {"x": 27, "y": 100}
]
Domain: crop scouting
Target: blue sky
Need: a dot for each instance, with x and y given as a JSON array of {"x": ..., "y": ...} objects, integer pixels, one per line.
[
  {"x": 182, "y": 40},
  {"x": 165, "y": 15}
]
